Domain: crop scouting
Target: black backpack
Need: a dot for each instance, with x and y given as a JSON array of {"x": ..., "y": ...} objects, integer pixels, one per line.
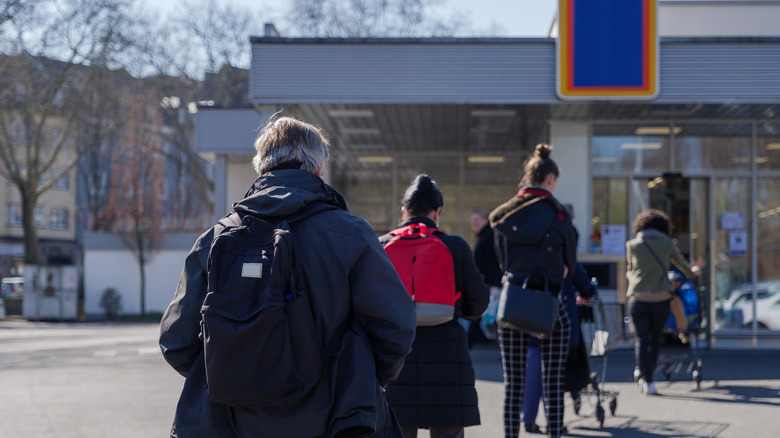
[{"x": 260, "y": 341}]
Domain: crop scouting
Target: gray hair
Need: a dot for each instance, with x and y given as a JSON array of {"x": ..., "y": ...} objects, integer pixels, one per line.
[{"x": 287, "y": 143}]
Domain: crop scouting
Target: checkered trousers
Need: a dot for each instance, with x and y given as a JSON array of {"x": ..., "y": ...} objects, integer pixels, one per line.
[{"x": 555, "y": 350}]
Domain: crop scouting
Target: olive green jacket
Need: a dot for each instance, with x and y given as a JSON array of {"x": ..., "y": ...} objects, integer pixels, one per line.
[{"x": 644, "y": 272}]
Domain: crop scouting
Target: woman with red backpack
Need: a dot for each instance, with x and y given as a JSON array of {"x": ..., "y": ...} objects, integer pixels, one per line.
[{"x": 435, "y": 389}]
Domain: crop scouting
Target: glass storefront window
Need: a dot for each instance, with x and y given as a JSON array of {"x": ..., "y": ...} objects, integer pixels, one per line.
[
  {"x": 445, "y": 171},
  {"x": 768, "y": 155},
  {"x": 630, "y": 147},
  {"x": 732, "y": 253},
  {"x": 374, "y": 185},
  {"x": 368, "y": 190},
  {"x": 703, "y": 147},
  {"x": 767, "y": 301},
  {"x": 489, "y": 185},
  {"x": 610, "y": 207}
]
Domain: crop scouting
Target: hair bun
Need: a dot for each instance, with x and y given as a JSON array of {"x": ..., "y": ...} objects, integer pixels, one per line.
[
  {"x": 543, "y": 151},
  {"x": 422, "y": 196},
  {"x": 423, "y": 183}
]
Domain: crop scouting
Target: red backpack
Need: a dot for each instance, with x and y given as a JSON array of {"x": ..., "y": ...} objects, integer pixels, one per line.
[{"x": 424, "y": 264}]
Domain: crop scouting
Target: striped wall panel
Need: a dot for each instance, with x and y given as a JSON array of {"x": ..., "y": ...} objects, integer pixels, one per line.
[{"x": 509, "y": 71}]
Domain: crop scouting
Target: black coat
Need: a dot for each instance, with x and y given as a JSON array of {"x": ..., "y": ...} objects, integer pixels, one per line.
[
  {"x": 436, "y": 385},
  {"x": 486, "y": 258},
  {"x": 348, "y": 277},
  {"x": 540, "y": 238}
]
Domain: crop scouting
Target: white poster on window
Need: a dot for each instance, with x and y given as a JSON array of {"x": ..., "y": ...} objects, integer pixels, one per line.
[
  {"x": 738, "y": 243},
  {"x": 613, "y": 240},
  {"x": 732, "y": 220}
]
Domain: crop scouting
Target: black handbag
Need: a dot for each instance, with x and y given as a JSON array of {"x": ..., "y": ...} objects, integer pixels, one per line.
[{"x": 529, "y": 310}]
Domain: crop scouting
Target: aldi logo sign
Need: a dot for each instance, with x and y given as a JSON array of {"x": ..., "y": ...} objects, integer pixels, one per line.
[{"x": 607, "y": 49}]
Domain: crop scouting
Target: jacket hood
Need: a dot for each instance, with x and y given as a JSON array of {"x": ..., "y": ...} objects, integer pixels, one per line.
[
  {"x": 651, "y": 233},
  {"x": 281, "y": 193}
]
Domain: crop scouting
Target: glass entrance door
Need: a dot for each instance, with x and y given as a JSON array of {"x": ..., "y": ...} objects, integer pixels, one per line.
[{"x": 685, "y": 200}]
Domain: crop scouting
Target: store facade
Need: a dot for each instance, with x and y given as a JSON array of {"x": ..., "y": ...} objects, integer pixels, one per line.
[{"x": 469, "y": 111}]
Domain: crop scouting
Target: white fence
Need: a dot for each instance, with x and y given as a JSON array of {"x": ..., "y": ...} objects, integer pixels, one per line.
[{"x": 109, "y": 264}]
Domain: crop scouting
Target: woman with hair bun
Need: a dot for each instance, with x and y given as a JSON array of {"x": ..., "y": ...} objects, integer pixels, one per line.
[
  {"x": 435, "y": 389},
  {"x": 537, "y": 241}
]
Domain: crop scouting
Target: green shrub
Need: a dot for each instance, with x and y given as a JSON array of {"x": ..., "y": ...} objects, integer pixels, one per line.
[{"x": 111, "y": 302}]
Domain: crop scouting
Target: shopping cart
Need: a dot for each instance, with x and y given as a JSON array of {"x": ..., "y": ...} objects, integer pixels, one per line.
[
  {"x": 674, "y": 360},
  {"x": 603, "y": 328}
]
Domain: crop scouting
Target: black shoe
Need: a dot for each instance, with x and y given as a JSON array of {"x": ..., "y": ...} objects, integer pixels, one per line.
[{"x": 532, "y": 428}]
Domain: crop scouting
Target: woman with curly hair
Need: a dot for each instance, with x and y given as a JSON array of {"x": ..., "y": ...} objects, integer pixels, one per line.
[{"x": 648, "y": 257}]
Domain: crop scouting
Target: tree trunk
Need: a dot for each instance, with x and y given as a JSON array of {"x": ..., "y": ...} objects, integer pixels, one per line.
[
  {"x": 142, "y": 266},
  {"x": 32, "y": 248}
]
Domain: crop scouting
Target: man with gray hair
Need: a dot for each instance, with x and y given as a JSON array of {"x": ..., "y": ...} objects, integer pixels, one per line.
[{"x": 350, "y": 283}]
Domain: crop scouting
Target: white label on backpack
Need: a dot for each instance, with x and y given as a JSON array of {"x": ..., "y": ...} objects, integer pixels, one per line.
[{"x": 253, "y": 270}]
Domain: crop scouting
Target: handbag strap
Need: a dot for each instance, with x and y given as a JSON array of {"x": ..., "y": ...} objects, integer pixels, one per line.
[{"x": 655, "y": 256}]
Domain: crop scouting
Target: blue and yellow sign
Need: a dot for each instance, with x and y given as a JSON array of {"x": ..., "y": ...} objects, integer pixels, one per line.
[{"x": 607, "y": 49}]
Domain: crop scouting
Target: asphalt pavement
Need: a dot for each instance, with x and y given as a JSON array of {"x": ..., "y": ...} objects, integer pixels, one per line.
[
  {"x": 76, "y": 380},
  {"x": 738, "y": 396}
]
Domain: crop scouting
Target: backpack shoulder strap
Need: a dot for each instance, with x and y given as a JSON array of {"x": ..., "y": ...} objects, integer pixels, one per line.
[
  {"x": 399, "y": 231},
  {"x": 655, "y": 256},
  {"x": 231, "y": 220},
  {"x": 420, "y": 228}
]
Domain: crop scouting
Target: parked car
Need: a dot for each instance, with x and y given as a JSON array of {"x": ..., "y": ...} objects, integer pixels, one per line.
[
  {"x": 738, "y": 307},
  {"x": 2, "y": 309},
  {"x": 12, "y": 287},
  {"x": 767, "y": 313}
]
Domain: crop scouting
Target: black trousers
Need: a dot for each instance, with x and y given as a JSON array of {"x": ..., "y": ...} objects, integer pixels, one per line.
[
  {"x": 648, "y": 320},
  {"x": 555, "y": 350}
]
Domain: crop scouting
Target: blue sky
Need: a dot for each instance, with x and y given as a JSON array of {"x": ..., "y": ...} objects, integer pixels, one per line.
[{"x": 517, "y": 18}]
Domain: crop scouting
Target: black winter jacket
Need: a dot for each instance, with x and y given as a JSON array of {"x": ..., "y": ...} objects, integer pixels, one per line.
[
  {"x": 486, "y": 258},
  {"x": 436, "y": 385},
  {"x": 541, "y": 238},
  {"x": 348, "y": 277}
]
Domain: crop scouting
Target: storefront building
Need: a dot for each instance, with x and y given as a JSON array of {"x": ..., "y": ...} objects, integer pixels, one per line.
[{"x": 468, "y": 111}]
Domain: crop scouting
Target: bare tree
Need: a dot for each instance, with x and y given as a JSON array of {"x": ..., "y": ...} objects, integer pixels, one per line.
[
  {"x": 199, "y": 56},
  {"x": 39, "y": 94},
  {"x": 100, "y": 124},
  {"x": 135, "y": 207},
  {"x": 373, "y": 18},
  {"x": 10, "y": 9},
  {"x": 220, "y": 32}
]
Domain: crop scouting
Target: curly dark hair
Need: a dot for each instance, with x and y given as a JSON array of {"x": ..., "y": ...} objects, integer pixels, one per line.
[{"x": 651, "y": 219}]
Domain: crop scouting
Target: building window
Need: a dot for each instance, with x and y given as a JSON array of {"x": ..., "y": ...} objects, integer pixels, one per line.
[
  {"x": 14, "y": 215},
  {"x": 62, "y": 183},
  {"x": 59, "y": 219},
  {"x": 39, "y": 218}
]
